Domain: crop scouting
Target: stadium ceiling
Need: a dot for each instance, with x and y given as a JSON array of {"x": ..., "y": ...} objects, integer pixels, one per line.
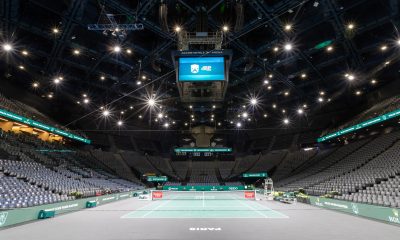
[{"x": 290, "y": 57}]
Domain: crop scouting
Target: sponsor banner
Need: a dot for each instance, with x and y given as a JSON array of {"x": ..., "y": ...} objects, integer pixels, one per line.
[
  {"x": 365, "y": 210},
  {"x": 157, "y": 195},
  {"x": 249, "y": 195},
  {"x": 157, "y": 179},
  {"x": 216, "y": 150},
  {"x": 35, "y": 124},
  {"x": 203, "y": 188},
  {"x": 20, "y": 215},
  {"x": 255, "y": 175},
  {"x": 367, "y": 123}
]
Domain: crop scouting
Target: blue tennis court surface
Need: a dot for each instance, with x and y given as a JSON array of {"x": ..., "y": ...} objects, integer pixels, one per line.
[{"x": 175, "y": 208}]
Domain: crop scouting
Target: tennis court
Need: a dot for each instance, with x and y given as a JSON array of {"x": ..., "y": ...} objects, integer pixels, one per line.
[{"x": 204, "y": 205}]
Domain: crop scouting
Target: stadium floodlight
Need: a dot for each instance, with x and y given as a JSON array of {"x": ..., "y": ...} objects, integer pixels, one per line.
[
  {"x": 106, "y": 113},
  {"x": 288, "y": 47},
  {"x": 300, "y": 111},
  {"x": 286, "y": 121},
  {"x": 151, "y": 102},
  {"x": 117, "y": 49},
  {"x": 7, "y": 47},
  {"x": 288, "y": 27}
]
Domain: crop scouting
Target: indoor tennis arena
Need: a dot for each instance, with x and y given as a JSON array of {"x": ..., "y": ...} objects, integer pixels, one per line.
[{"x": 220, "y": 119}]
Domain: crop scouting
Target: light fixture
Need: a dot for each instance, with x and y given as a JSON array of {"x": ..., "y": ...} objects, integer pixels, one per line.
[
  {"x": 286, "y": 121},
  {"x": 151, "y": 102},
  {"x": 269, "y": 87},
  {"x": 131, "y": 107},
  {"x": 106, "y": 113},
  {"x": 140, "y": 117},
  {"x": 122, "y": 112},
  {"x": 7, "y": 47},
  {"x": 56, "y": 81},
  {"x": 225, "y": 28},
  {"x": 213, "y": 106},
  {"x": 35, "y": 85},
  {"x": 50, "y": 95},
  {"x": 398, "y": 42},
  {"x": 350, "y": 26},
  {"x": 190, "y": 106},
  {"x": 144, "y": 77},
  {"x": 76, "y": 52},
  {"x": 373, "y": 81},
  {"x": 166, "y": 125},
  {"x": 253, "y": 101},
  {"x": 138, "y": 83},
  {"x": 276, "y": 49},
  {"x": 21, "y": 67},
  {"x": 86, "y": 100},
  {"x": 178, "y": 28},
  {"x": 219, "y": 124},
  {"x": 322, "y": 93},
  {"x": 350, "y": 77},
  {"x": 117, "y": 49},
  {"x": 120, "y": 123},
  {"x": 288, "y": 27},
  {"x": 186, "y": 124},
  {"x": 160, "y": 115},
  {"x": 387, "y": 63},
  {"x": 128, "y": 51},
  {"x": 288, "y": 47},
  {"x": 266, "y": 82},
  {"x": 320, "y": 99},
  {"x": 358, "y": 93},
  {"x": 303, "y": 75},
  {"x": 265, "y": 115},
  {"x": 286, "y": 93},
  {"x": 300, "y": 111},
  {"x": 245, "y": 115},
  {"x": 270, "y": 76},
  {"x": 329, "y": 49},
  {"x": 384, "y": 47},
  {"x": 273, "y": 105},
  {"x": 55, "y": 30},
  {"x": 102, "y": 77},
  {"x": 239, "y": 124},
  {"x": 25, "y": 53}
]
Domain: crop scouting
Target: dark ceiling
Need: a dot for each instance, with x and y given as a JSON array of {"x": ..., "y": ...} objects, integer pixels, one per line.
[{"x": 305, "y": 75}]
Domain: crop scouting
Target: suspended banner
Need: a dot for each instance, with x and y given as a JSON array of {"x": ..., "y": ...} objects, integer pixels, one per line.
[
  {"x": 157, "y": 179},
  {"x": 356, "y": 127},
  {"x": 255, "y": 175},
  {"x": 39, "y": 125},
  {"x": 203, "y": 150}
]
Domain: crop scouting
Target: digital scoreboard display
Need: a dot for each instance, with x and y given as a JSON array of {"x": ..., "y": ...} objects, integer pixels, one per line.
[{"x": 197, "y": 69}]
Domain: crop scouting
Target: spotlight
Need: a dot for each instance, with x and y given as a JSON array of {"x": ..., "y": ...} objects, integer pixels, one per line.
[
  {"x": 398, "y": 42},
  {"x": 273, "y": 105},
  {"x": 144, "y": 77},
  {"x": 383, "y": 48},
  {"x": 35, "y": 85},
  {"x": 117, "y": 49},
  {"x": 50, "y": 96},
  {"x": 225, "y": 28},
  {"x": 266, "y": 82},
  {"x": 102, "y": 78},
  {"x": 350, "y": 26},
  {"x": 238, "y": 124},
  {"x": 55, "y": 30},
  {"x": 7, "y": 47},
  {"x": 138, "y": 83},
  {"x": 106, "y": 113},
  {"x": 329, "y": 49},
  {"x": 303, "y": 75},
  {"x": 151, "y": 102},
  {"x": 86, "y": 100},
  {"x": 358, "y": 93},
  {"x": 322, "y": 93},
  {"x": 21, "y": 67},
  {"x": 300, "y": 111},
  {"x": 76, "y": 52},
  {"x": 288, "y": 27},
  {"x": 373, "y": 81},
  {"x": 160, "y": 115},
  {"x": 245, "y": 115},
  {"x": 320, "y": 99},
  {"x": 25, "y": 53},
  {"x": 350, "y": 77},
  {"x": 178, "y": 29},
  {"x": 253, "y": 101},
  {"x": 120, "y": 123},
  {"x": 56, "y": 80},
  {"x": 286, "y": 121},
  {"x": 214, "y": 106},
  {"x": 190, "y": 106},
  {"x": 265, "y": 115},
  {"x": 128, "y": 51},
  {"x": 276, "y": 49},
  {"x": 286, "y": 93},
  {"x": 288, "y": 47},
  {"x": 269, "y": 87}
]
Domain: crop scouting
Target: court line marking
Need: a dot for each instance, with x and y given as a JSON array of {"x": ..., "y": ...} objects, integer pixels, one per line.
[
  {"x": 269, "y": 209},
  {"x": 245, "y": 204},
  {"x": 156, "y": 208},
  {"x": 139, "y": 209}
]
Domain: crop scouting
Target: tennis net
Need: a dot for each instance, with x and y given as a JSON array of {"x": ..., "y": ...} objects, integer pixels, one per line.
[{"x": 203, "y": 195}]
